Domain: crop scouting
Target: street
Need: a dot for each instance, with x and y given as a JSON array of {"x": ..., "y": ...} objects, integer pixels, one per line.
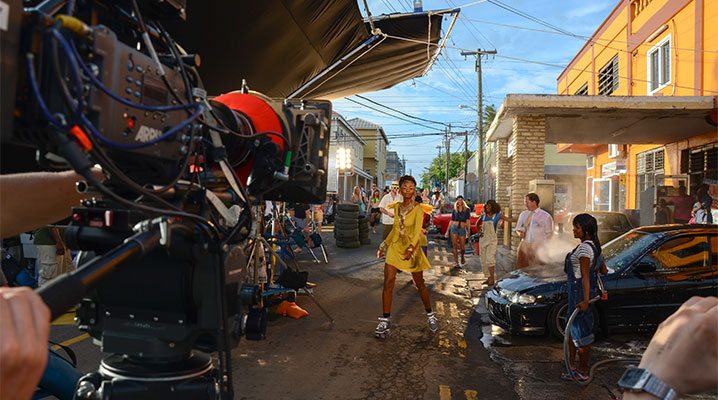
[{"x": 467, "y": 358}]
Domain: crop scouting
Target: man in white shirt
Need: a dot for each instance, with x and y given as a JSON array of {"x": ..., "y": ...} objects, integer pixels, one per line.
[
  {"x": 535, "y": 227},
  {"x": 387, "y": 215}
]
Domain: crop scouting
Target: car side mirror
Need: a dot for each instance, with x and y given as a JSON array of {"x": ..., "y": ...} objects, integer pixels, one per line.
[{"x": 645, "y": 267}]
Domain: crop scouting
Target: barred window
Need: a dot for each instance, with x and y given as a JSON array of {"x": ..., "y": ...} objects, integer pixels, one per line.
[
  {"x": 608, "y": 77},
  {"x": 583, "y": 91},
  {"x": 659, "y": 65}
]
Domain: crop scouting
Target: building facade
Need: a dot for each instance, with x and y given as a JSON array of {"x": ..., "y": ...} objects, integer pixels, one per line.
[
  {"x": 343, "y": 182},
  {"x": 375, "y": 152},
  {"x": 649, "y": 48}
]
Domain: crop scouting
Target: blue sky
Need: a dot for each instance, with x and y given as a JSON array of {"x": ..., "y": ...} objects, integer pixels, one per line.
[{"x": 452, "y": 81}]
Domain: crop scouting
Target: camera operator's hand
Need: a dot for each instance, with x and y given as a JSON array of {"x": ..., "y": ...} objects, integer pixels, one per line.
[
  {"x": 683, "y": 353},
  {"x": 24, "y": 331}
]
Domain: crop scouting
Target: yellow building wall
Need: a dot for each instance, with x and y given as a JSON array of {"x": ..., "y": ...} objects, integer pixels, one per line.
[{"x": 613, "y": 40}]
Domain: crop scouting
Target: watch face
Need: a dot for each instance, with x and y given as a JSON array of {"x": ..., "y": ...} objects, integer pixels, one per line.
[{"x": 634, "y": 378}]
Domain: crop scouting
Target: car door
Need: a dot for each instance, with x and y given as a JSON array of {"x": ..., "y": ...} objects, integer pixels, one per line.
[
  {"x": 631, "y": 298},
  {"x": 687, "y": 266}
]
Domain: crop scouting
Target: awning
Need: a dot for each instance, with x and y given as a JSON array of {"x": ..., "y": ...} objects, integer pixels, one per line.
[
  {"x": 279, "y": 46},
  {"x": 362, "y": 174},
  {"x": 610, "y": 119}
]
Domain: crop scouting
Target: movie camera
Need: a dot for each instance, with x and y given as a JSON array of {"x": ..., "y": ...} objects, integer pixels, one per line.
[{"x": 163, "y": 276}]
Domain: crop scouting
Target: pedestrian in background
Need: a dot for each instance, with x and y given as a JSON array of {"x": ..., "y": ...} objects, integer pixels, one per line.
[
  {"x": 400, "y": 248},
  {"x": 374, "y": 211},
  {"x": 425, "y": 199},
  {"x": 682, "y": 206},
  {"x": 702, "y": 208},
  {"x": 359, "y": 199},
  {"x": 581, "y": 267},
  {"x": 535, "y": 227},
  {"x": 458, "y": 227},
  {"x": 437, "y": 201},
  {"x": 488, "y": 240},
  {"x": 663, "y": 213},
  {"x": 52, "y": 255},
  {"x": 387, "y": 217}
]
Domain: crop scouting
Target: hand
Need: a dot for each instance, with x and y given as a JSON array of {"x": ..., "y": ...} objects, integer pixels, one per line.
[
  {"x": 306, "y": 230},
  {"x": 684, "y": 351},
  {"x": 380, "y": 253},
  {"x": 60, "y": 250},
  {"x": 391, "y": 214},
  {"x": 582, "y": 306},
  {"x": 408, "y": 253},
  {"x": 25, "y": 329}
]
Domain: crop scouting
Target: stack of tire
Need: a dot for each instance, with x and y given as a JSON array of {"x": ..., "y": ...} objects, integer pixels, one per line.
[
  {"x": 346, "y": 226},
  {"x": 364, "y": 230}
]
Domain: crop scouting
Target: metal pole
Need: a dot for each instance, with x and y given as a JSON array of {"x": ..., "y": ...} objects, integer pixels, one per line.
[
  {"x": 466, "y": 162},
  {"x": 448, "y": 154}
]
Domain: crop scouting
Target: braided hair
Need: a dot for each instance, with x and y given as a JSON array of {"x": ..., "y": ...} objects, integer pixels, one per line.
[{"x": 589, "y": 226}]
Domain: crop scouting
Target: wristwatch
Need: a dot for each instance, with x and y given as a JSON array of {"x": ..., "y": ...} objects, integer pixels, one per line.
[{"x": 643, "y": 380}]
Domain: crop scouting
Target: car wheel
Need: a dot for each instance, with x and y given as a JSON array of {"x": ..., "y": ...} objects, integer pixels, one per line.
[{"x": 558, "y": 317}]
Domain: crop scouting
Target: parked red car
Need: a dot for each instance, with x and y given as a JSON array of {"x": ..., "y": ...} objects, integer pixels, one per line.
[{"x": 441, "y": 221}]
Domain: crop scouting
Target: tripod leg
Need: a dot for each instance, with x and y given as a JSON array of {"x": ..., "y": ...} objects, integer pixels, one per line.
[
  {"x": 316, "y": 260},
  {"x": 311, "y": 296},
  {"x": 324, "y": 251}
]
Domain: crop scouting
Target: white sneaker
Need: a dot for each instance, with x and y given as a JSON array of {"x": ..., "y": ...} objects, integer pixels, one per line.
[{"x": 432, "y": 321}]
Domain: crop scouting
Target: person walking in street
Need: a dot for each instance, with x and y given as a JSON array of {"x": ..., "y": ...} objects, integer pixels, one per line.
[
  {"x": 535, "y": 227},
  {"x": 682, "y": 206},
  {"x": 425, "y": 196},
  {"x": 457, "y": 228},
  {"x": 359, "y": 199},
  {"x": 488, "y": 240},
  {"x": 402, "y": 254},
  {"x": 437, "y": 201},
  {"x": 581, "y": 266},
  {"x": 374, "y": 211},
  {"x": 702, "y": 208},
  {"x": 387, "y": 212},
  {"x": 53, "y": 257}
]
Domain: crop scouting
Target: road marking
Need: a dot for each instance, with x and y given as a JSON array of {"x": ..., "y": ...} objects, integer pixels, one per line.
[
  {"x": 443, "y": 340},
  {"x": 453, "y": 310},
  {"x": 67, "y": 318},
  {"x": 69, "y": 342},
  {"x": 471, "y": 394},
  {"x": 444, "y": 392},
  {"x": 440, "y": 307}
]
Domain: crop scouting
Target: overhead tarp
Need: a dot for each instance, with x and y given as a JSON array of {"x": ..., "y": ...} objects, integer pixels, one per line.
[{"x": 278, "y": 46}]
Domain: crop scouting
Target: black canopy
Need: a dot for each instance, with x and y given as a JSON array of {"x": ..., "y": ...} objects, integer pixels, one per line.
[{"x": 316, "y": 48}]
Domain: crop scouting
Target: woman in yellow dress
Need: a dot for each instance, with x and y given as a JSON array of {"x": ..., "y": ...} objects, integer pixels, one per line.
[{"x": 402, "y": 253}]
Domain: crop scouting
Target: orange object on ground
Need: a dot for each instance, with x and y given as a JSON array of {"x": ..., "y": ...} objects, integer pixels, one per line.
[{"x": 291, "y": 309}]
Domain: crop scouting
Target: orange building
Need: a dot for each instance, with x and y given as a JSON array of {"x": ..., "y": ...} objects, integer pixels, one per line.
[{"x": 649, "y": 48}]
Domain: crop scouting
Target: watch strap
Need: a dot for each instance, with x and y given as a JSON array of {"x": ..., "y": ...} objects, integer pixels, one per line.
[{"x": 660, "y": 389}]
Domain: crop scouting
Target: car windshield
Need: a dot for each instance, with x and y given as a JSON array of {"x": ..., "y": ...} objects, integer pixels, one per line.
[
  {"x": 617, "y": 223},
  {"x": 620, "y": 251}
]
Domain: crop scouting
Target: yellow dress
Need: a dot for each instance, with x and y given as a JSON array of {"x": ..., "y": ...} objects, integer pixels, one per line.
[
  {"x": 400, "y": 239},
  {"x": 428, "y": 209}
]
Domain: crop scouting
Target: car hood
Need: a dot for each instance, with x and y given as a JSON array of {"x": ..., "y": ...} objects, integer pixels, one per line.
[{"x": 530, "y": 277}]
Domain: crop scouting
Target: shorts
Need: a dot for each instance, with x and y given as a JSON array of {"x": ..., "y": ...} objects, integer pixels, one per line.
[
  {"x": 456, "y": 230},
  {"x": 375, "y": 210}
]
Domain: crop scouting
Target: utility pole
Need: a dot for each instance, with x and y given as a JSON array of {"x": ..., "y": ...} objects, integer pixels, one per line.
[
  {"x": 479, "y": 53},
  {"x": 448, "y": 154}
]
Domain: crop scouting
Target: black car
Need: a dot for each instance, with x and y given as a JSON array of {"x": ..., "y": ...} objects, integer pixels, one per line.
[
  {"x": 611, "y": 224},
  {"x": 652, "y": 271}
]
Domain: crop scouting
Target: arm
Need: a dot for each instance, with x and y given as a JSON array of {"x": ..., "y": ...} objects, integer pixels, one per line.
[
  {"x": 19, "y": 190},
  {"x": 508, "y": 219},
  {"x": 684, "y": 351},
  {"x": 389, "y": 239},
  {"x": 58, "y": 241},
  {"x": 585, "y": 282}
]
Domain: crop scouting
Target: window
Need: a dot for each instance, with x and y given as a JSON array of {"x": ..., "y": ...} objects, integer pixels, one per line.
[
  {"x": 583, "y": 91},
  {"x": 686, "y": 256},
  {"x": 608, "y": 77},
  {"x": 589, "y": 162},
  {"x": 659, "y": 65},
  {"x": 613, "y": 151},
  {"x": 701, "y": 163},
  {"x": 649, "y": 164}
]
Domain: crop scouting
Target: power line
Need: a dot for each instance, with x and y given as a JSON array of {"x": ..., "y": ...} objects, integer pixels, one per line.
[
  {"x": 543, "y": 63},
  {"x": 529, "y": 16},
  {"x": 443, "y": 91},
  {"x": 400, "y": 112},
  {"x": 391, "y": 115}
]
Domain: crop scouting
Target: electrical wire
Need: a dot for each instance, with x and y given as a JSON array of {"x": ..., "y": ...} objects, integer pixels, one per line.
[
  {"x": 400, "y": 112},
  {"x": 391, "y": 115}
]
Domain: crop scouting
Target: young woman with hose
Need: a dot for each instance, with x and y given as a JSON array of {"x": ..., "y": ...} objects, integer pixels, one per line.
[{"x": 580, "y": 266}]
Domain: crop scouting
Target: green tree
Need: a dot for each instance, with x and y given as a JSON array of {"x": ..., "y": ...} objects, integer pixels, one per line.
[
  {"x": 436, "y": 171},
  {"x": 489, "y": 115}
]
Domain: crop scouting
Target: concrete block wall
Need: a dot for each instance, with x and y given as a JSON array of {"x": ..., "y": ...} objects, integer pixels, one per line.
[
  {"x": 527, "y": 161},
  {"x": 503, "y": 180}
]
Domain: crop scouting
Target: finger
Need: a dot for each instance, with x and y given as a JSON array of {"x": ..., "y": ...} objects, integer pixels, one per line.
[
  {"x": 21, "y": 314},
  {"x": 704, "y": 303}
]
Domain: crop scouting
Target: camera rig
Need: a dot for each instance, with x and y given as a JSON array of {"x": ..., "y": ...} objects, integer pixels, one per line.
[{"x": 164, "y": 276}]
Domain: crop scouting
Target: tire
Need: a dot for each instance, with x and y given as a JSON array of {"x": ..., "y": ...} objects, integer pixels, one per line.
[
  {"x": 364, "y": 241},
  {"x": 344, "y": 227},
  {"x": 345, "y": 221},
  {"x": 350, "y": 244},
  {"x": 557, "y": 319},
  {"x": 346, "y": 234},
  {"x": 363, "y": 228},
  {"x": 362, "y": 219},
  {"x": 348, "y": 214},
  {"x": 348, "y": 207}
]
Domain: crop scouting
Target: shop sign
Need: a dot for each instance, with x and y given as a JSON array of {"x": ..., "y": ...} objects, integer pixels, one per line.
[
  {"x": 622, "y": 179},
  {"x": 510, "y": 148}
]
